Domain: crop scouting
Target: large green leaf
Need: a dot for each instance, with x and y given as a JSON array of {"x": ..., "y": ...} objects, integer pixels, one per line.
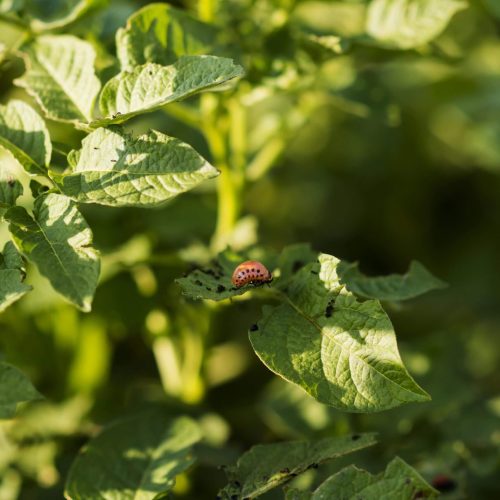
[
  {"x": 60, "y": 75},
  {"x": 15, "y": 388},
  {"x": 399, "y": 481},
  {"x": 405, "y": 24},
  {"x": 415, "y": 282},
  {"x": 12, "y": 287},
  {"x": 59, "y": 241},
  {"x": 151, "y": 86},
  {"x": 160, "y": 33},
  {"x": 266, "y": 466},
  {"x": 52, "y": 14},
  {"x": 136, "y": 458},
  {"x": 114, "y": 168},
  {"x": 24, "y": 134},
  {"x": 341, "y": 351}
]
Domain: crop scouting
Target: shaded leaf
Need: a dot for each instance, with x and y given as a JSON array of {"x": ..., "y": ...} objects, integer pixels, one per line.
[
  {"x": 214, "y": 281},
  {"x": 60, "y": 76},
  {"x": 342, "y": 352},
  {"x": 399, "y": 481},
  {"x": 12, "y": 287},
  {"x": 55, "y": 14},
  {"x": 138, "y": 457},
  {"x": 406, "y": 24},
  {"x": 15, "y": 388},
  {"x": 58, "y": 240},
  {"x": 10, "y": 190},
  {"x": 24, "y": 134},
  {"x": 113, "y": 168},
  {"x": 160, "y": 33},
  {"x": 415, "y": 282},
  {"x": 151, "y": 86},
  {"x": 266, "y": 466}
]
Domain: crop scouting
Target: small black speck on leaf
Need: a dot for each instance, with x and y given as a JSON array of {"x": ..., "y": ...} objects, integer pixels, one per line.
[
  {"x": 114, "y": 161},
  {"x": 237, "y": 484},
  {"x": 254, "y": 328},
  {"x": 220, "y": 288},
  {"x": 286, "y": 470},
  {"x": 297, "y": 265},
  {"x": 314, "y": 272},
  {"x": 329, "y": 310},
  {"x": 96, "y": 148},
  {"x": 355, "y": 437},
  {"x": 11, "y": 182},
  {"x": 208, "y": 288},
  {"x": 293, "y": 474},
  {"x": 198, "y": 282}
]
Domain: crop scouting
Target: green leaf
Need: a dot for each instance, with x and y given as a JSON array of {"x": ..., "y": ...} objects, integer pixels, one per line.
[
  {"x": 10, "y": 190},
  {"x": 49, "y": 15},
  {"x": 58, "y": 240},
  {"x": 214, "y": 282},
  {"x": 116, "y": 169},
  {"x": 341, "y": 351},
  {"x": 24, "y": 134},
  {"x": 399, "y": 481},
  {"x": 406, "y": 24},
  {"x": 12, "y": 287},
  {"x": 137, "y": 457},
  {"x": 60, "y": 76},
  {"x": 266, "y": 466},
  {"x": 415, "y": 282},
  {"x": 160, "y": 33},
  {"x": 15, "y": 388},
  {"x": 151, "y": 86}
]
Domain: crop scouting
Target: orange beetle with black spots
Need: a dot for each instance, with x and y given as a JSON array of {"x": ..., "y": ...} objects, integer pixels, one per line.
[{"x": 251, "y": 272}]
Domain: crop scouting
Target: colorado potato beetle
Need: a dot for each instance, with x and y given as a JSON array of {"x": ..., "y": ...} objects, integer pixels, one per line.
[{"x": 251, "y": 272}]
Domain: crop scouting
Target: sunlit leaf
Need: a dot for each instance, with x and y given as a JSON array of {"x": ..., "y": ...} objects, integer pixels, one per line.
[
  {"x": 58, "y": 240},
  {"x": 138, "y": 457},
  {"x": 151, "y": 86},
  {"x": 266, "y": 466},
  {"x": 399, "y": 481},
  {"x": 417, "y": 281},
  {"x": 12, "y": 287},
  {"x": 24, "y": 134},
  {"x": 60, "y": 76},
  {"x": 341, "y": 351},
  {"x": 405, "y": 24},
  {"x": 160, "y": 33},
  {"x": 113, "y": 168},
  {"x": 15, "y": 388}
]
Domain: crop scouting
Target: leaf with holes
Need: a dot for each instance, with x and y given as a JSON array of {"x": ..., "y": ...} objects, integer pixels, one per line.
[
  {"x": 12, "y": 287},
  {"x": 266, "y": 466},
  {"x": 406, "y": 24},
  {"x": 113, "y": 168},
  {"x": 138, "y": 457},
  {"x": 151, "y": 86},
  {"x": 60, "y": 76},
  {"x": 24, "y": 134},
  {"x": 213, "y": 282},
  {"x": 415, "y": 282},
  {"x": 341, "y": 351},
  {"x": 58, "y": 240},
  {"x": 160, "y": 33}
]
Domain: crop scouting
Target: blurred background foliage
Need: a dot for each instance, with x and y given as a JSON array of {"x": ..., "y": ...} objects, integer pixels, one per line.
[{"x": 372, "y": 154}]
